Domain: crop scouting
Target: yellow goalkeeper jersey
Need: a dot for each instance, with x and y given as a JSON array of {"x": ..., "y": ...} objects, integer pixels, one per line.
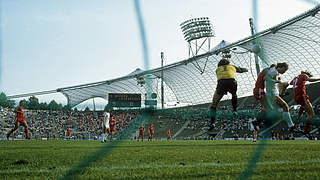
[{"x": 226, "y": 72}]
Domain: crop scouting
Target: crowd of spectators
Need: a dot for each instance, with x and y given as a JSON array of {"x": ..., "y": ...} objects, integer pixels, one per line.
[
  {"x": 87, "y": 124},
  {"x": 233, "y": 125},
  {"x": 54, "y": 124},
  {"x": 197, "y": 121}
]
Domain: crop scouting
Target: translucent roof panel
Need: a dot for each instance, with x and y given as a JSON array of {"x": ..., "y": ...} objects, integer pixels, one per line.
[{"x": 193, "y": 81}]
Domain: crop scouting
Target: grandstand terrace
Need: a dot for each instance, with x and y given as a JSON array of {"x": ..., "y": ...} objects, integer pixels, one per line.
[
  {"x": 188, "y": 122},
  {"x": 54, "y": 124}
]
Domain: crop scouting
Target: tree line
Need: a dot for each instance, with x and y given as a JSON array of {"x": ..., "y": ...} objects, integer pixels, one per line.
[{"x": 33, "y": 104}]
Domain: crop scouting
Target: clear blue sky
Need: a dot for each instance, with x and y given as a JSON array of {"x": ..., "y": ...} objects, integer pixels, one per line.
[{"x": 49, "y": 44}]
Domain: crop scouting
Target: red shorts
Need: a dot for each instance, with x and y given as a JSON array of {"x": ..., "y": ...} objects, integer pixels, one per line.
[
  {"x": 20, "y": 120},
  {"x": 302, "y": 99},
  {"x": 258, "y": 93},
  {"x": 141, "y": 133}
]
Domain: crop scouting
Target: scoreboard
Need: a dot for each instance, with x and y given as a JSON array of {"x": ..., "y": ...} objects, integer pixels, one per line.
[{"x": 124, "y": 100}]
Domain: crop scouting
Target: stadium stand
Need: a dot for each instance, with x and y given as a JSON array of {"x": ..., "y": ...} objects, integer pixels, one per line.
[
  {"x": 54, "y": 124},
  {"x": 191, "y": 122}
]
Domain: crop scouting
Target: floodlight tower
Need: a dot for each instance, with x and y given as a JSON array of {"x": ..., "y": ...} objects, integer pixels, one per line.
[
  {"x": 255, "y": 48},
  {"x": 197, "y": 32}
]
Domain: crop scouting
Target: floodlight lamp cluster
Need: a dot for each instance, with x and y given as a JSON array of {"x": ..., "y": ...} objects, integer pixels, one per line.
[
  {"x": 226, "y": 54},
  {"x": 140, "y": 80},
  {"x": 197, "y": 28}
]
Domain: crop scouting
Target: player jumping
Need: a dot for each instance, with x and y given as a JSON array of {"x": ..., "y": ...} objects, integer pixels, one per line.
[
  {"x": 226, "y": 83},
  {"x": 259, "y": 89},
  {"x": 301, "y": 97},
  {"x": 273, "y": 95}
]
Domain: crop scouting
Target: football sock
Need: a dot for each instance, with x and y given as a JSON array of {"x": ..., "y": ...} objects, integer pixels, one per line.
[
  {"x": 27, "y": 132},
  {"x": 301, "y": 109},
  {"x": 212, "y": 115},
  {"x": 234, "y": 101},
  {"x": 287, "y": 117}
]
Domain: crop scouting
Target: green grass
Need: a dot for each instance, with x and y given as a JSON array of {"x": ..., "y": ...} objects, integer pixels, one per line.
[{"x": 159, "y": 159}]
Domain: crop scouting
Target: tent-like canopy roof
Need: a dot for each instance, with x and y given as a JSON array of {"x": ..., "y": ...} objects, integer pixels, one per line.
[
  {"x": 193, "y": 81},
  {"x": 296, "y": 41}
]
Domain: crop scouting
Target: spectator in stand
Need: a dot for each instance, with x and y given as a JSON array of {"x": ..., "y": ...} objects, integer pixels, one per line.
[{"x": 273, "y": 136}]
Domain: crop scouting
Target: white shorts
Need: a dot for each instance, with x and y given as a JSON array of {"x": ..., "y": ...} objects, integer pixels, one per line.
[
  {"x": 251, "y": 127},
  {"x": 104, "y": 125},
  {"x": 273, "y": 91}
]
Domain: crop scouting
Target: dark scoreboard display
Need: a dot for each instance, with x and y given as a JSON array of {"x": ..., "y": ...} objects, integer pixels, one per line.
[{"x": 124, "y": 100}]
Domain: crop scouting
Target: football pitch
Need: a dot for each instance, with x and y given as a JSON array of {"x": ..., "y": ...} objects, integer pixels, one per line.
[{"x": 57, "y": 159}]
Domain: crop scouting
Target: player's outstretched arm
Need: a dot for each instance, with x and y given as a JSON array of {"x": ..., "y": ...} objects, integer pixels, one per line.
[
  {"x": 313, "y": 79},
  {"x": 241, "y": 70},
  {"x": 291, "y": 82}
]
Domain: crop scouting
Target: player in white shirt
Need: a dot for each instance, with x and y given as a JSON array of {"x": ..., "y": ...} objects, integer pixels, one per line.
[
  {"x": 252, "y": 128},
  {"x": 272, "y": 92},
  {"x": 105, "y": 125}
]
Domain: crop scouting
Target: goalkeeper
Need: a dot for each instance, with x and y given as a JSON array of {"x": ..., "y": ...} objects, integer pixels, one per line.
[{"x": 226, "y": 83}]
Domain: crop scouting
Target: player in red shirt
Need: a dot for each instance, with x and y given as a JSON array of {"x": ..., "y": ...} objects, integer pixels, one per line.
[
  {"x": 268, "y": 79},
  {"x": 169, "y": 134},
  {"x": 301, "y": 97},
  {"x": 141, "y": 132},
  {"x": 69, "y": 133},
  {"x": 258, "y": 91},
  {"x": 19, "y": 120},
  {"x": 151, "y": 132},
  {"x": 112, "y": 124}
]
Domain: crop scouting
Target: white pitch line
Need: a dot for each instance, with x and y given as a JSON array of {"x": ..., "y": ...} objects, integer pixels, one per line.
[{"x": 13, "y": 171}]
